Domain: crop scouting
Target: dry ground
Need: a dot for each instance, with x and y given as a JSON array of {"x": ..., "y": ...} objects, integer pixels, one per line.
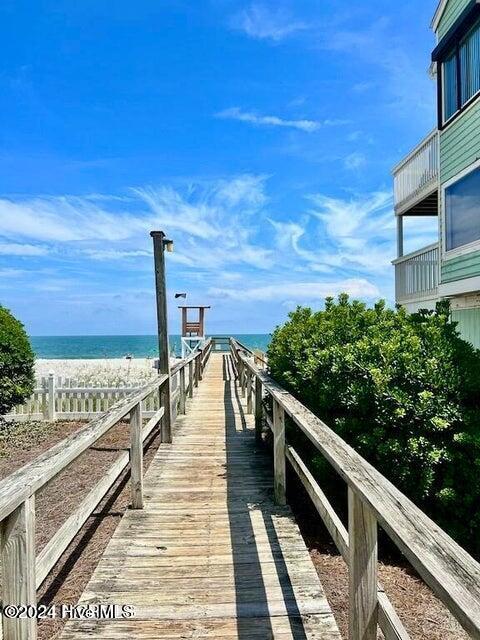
[{"x": 59, "y": 498}]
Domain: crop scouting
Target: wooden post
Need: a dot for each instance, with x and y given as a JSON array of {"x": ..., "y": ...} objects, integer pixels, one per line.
[
  {"x": 190, "y": 379},
  {"x": 258, "y": 409},
  {"x": 197, "y": 371},
  {"x": 279, "y": 453},
  {"x": 51, "y": 413},
  {"x": 363, "y": 586},
  {"x": 243, "y": 373},
  {"x": 18, "y": 569},
  {"x": 136, "y": 456},
  {"x": 249, "y": 391},
  {"x": 163, "y": 346},
  {"x": 200, "y": 365},
  {"x": 182, "y": 397}
]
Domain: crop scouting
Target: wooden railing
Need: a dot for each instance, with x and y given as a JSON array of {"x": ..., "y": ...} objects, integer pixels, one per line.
[
  {"x": 416, "y": 274},
  {"x": 452, "y": 574},
  {"x": 418, "y": 173},
  {"x": 22, "y": 570},
  {"x": 60, "y": 398}
]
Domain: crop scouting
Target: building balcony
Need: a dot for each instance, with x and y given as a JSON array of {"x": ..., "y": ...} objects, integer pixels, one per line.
[
  {"x": 416, "y": 179},
  {"x": 416, "y": 275}
]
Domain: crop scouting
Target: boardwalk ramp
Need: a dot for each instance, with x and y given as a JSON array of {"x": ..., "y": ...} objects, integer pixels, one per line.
[{"x": 210, "y": 555}]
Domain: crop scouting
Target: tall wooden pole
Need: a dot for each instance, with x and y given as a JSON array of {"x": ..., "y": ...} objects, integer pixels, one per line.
[{"x": 163, "y": 346}]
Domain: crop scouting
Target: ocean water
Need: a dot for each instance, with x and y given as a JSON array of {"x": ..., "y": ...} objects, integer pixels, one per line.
[{"x": 90, "y": 347}]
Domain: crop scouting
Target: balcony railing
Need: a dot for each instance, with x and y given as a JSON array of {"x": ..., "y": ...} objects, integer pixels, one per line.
[
  {"x": 416, "y": 176},
  {"x": 416, "y": 274}
]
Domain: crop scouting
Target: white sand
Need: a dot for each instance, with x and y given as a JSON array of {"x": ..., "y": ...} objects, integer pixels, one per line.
[
  {"x": 68, "y": 368},
  {"x": 99, "y": 371}
]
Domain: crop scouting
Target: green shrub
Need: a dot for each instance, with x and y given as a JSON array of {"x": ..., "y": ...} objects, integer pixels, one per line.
[
  {"x": 16, "y": 363},
  {"x": 403, "y": 390}
]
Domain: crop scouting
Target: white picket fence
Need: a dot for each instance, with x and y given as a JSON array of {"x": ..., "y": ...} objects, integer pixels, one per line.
[{"x": 56, "y": 398}]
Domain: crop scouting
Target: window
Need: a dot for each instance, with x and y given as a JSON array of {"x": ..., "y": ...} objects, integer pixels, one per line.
[
  {"x": 450, "y": 86},
  {"x": 461, "y": 73},
  {"x": 462, "y": 211}
]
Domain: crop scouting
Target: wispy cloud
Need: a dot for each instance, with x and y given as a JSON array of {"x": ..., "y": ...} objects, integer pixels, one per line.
[
  {"x": 8, "y": 272},
  {"x": 231, "y": 244},
  {"x": 15, "y": 249},
  {"x": 115, "y": 254},
  {"x": 66, "y": 219},
  {"x": 300, "y": 291},
  {"x": 235, "y": 113},
  {"x": 213, "y": 219},
  {"x": 264, "y": 23},
  {"x": 355, "y": 161}
]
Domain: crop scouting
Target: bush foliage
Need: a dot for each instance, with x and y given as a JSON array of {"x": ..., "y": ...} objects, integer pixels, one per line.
[
  {"x": 403, "y": 390},
  {"x": 16, "y": 363}
]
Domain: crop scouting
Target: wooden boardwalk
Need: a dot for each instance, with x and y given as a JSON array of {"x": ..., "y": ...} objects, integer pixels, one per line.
[{"x": 210, "y": 555}]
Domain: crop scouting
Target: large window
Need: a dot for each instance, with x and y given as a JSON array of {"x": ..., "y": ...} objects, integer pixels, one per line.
[
  {"x": 462, "y": 211},
  {"x": 461, "y": 73}
]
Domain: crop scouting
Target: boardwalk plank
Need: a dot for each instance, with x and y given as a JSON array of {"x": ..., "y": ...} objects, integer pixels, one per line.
[{"x": 211, "y": 555}]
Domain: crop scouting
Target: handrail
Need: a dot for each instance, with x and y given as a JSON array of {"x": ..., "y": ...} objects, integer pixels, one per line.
[
  {"x": 262, "y": 358},
  {"x": 414, "y": 254},
  {"x": 23, "y": 569},
  {"x": 416, "y": 176},
  {"x": 16, "y": 487},
  {"x": 417, "y": 275},
  {"x": 433, "y": 134},
  {"x": 373, "y": 500}
]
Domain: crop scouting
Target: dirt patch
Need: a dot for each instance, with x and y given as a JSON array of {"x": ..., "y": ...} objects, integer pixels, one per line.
[
  {"x": 59, "y": 498},
  {"x": 423, "y": 615}
]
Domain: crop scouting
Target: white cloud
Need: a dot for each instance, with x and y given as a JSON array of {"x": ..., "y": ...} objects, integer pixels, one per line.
[
  {"x": 115, "y": 254},
  {"x": 355, "y": 161},
  {"x": 299, "y": 291},
  {"x": 8, "y": 272},
  {"x": 66, "y": 219},
  {"x": 260, "y": 22},
  {"x": 227, "y": 240},
  {"x": 356, "y": 234},
  {"x": 235, "y": 113},
  {"x": 14, "y": 249}
]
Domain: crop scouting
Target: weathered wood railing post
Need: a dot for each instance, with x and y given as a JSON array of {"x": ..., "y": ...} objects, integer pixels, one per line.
[
  {"x": 182, "y": 397},
  {"x": 190, "y": 379},
  {"x": 197, "y": 371},
  {"x": 243, "y": 373},
  {"x": 18, "y": 569},
  {"x": 136, "y": 456},
  {"x": 51, "y": 412},
  {"x": 279, "y": 461},
  {"x": 249, "y": 391},
  {"x": 258, "y": 409},
  {"x": 363, "y": 584}
]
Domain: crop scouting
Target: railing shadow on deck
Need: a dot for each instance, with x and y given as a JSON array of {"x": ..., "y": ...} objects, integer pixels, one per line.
[
  {"x": 451, "y": 573},
  {"x": 252, "y": 602}
]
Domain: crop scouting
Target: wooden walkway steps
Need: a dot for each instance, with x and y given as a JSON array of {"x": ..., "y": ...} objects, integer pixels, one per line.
[{"x": 210, "y": 555}]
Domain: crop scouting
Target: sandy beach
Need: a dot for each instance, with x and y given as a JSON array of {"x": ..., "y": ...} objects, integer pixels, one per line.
[{"x": 114, "y": 371}]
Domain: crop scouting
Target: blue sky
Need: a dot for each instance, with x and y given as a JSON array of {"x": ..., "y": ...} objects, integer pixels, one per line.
[{"x": 258, "y": 135}]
